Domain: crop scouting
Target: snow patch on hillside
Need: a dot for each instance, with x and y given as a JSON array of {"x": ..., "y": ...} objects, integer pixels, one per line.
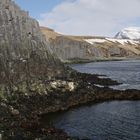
[
  {"x": 114, "y": 40},
  {"x": 123, "y": 41},
  {"x": 92, "y": 41}
]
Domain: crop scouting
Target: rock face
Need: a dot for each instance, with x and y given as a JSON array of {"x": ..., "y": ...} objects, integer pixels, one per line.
[
  {"x": 25, "y": 56},
  {"x": 129, "y": 33},
  {"x": 89, "y": 48}
]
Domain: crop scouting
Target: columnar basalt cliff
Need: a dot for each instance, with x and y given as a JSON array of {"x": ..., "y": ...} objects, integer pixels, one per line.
[
  {"x": 27, "y": 67},
  {"x": 89, "y": 48},
  {"x": 33, "y": 81},
  {"x": 25, "y": 56}
]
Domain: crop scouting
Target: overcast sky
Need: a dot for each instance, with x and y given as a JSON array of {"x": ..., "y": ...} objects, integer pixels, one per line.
[{"x": 85, "y": 17}]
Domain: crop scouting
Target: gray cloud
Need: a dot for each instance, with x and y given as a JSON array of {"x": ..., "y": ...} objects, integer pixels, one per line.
[{"x": 92, "y": 17}]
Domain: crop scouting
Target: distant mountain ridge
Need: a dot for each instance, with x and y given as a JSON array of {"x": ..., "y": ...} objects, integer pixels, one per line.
[{"x": 89, "y": 48}]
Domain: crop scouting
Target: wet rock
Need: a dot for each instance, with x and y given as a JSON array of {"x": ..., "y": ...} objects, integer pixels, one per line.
[
  {"x": 0, "y": 136},
  {"x": 14, "y": 112},
  {"x": 73, "y": 138},
  {"x": 30, "y": 124},
  {"x": 3, "y": 104}
]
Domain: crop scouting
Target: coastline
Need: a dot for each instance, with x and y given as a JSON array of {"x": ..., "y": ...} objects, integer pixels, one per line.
[
  {"x": 34, "y": 82},
  {"x": 82, "y": 61},
  {"x": 23, "y": 112}
]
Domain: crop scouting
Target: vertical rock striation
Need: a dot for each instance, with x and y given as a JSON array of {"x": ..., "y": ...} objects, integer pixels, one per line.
[{"x": 25, "y": 57}]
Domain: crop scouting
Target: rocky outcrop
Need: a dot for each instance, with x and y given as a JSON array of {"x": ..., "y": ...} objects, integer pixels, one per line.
[
  {"x": 27, "y": 66},
  {"x": 25, "y": 56},
  {"x": 89, "y": 48},
  {"x": 33, "y": 81}
]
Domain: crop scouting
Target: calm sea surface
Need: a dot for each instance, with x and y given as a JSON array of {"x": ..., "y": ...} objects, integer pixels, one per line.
[
  {"x": 116, "y": 120},
  {"x": 126, "y": 72}
]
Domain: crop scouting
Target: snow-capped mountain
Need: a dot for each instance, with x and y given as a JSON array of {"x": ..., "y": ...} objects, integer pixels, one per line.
[{"x": 129, "y": 33}]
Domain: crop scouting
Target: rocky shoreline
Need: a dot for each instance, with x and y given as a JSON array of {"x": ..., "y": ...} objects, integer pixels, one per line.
[
  {"x": 33, "y": 81},
  {"x": 20, "y": 113}
]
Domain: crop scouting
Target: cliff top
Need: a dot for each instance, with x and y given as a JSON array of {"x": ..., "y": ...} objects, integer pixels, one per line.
[{"x": 51, "y": 34}]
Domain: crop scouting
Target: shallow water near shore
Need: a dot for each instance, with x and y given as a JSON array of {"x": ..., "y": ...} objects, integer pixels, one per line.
[
  {"x": 114, "y": 120},
  {"x": 126, "y": 72}
]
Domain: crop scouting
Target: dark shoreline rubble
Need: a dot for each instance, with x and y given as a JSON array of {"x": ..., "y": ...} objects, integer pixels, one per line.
[{"x": 20, "y": 113}]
